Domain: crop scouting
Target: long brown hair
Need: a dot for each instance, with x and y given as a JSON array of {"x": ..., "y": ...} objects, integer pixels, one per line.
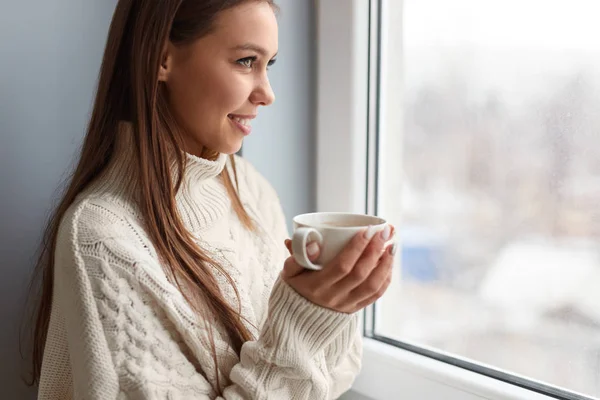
[{"x": 128, "y": 90}]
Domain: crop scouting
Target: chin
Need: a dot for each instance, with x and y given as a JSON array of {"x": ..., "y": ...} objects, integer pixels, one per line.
[{"x": 230, "y": 148}]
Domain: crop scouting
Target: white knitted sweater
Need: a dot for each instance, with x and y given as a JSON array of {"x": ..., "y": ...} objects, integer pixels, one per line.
[{"x": 120, "y": 330}]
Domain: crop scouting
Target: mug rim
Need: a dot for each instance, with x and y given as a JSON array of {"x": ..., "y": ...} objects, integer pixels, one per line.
[{"x": 381, "y": 221}]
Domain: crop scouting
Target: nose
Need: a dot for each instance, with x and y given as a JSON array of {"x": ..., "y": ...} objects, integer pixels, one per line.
[{"x": 263, "y": 94}]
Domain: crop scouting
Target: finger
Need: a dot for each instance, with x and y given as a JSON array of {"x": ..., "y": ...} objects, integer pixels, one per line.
[
  {"x": 392, "y": 238},
  {"x": 376, "y": 296},
  {"x": 371, "y": 286},
  {"x": 312, "y": 249},
  {"x": 344, "y": 262},
  {"x": 367, "y": 262},
  {"x": 291, "y": 269},
  {"x": 288, "y": 245},
  {"x": 390, "y": 242},
  {"x": 375, "y": 249}
]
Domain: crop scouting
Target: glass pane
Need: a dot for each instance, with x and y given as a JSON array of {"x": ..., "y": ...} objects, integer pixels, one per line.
[{"x": 498, "y": 199}]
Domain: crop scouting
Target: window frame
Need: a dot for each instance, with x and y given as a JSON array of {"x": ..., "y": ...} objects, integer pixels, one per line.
[{"x": 348, "y": 117}]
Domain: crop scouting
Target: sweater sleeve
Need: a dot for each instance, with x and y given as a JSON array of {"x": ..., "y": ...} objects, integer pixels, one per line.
[
  {"x": 307, "y": 352},
  {"x": 340, "y": 359}
]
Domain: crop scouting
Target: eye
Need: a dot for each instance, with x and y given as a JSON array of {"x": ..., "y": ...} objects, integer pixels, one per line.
[
  {"x": 271, "y": 62},
  {"x": 247, "y": 61}
]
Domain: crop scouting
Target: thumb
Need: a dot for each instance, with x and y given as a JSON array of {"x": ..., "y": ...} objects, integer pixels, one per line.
[
  {"x": 291, "y": 269},
  {"x": 288, "y": 245},
  {"x": 312, "y": 249}
]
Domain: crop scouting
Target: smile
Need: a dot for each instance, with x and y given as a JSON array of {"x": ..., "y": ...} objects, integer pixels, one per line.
[{"x": 242, "y": 122}]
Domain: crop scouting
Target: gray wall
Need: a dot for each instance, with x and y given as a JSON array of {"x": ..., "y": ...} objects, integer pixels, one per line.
[
  {"x": 283, "y": 142},
  {"x": 51, "y": 52}
]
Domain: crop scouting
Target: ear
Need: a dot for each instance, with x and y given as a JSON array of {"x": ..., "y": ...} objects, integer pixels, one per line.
[{"x": 166, "y": 62}]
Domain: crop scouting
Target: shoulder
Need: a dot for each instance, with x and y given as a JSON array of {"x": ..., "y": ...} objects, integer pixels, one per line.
[{"x": 94, "y": 225}]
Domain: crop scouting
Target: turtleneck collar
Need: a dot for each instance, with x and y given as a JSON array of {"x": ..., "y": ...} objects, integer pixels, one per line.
[
  {"x": 201, "y": 200},
  {"x": 199, "y": 169}
]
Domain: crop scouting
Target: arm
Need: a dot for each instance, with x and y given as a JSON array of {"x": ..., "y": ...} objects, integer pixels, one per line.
[
  {"x": 344, "y": 359},
  {"x": 341, "y": 358},
  {"x": 290, "y": 351},
  {"x": 321, "y": 356}
]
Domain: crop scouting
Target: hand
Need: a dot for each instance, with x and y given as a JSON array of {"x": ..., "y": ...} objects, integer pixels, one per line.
[{"x": 354, "y": 279}]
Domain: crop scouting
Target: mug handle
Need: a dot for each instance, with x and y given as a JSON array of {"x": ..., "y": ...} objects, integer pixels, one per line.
[{"x": 299, "y": 241}]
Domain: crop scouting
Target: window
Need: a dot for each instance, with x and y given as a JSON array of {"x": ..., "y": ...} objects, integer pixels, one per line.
[{"x": 485, "y": 153}]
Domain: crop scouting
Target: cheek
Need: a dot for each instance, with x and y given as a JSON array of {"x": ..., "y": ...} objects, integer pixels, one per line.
[
  {"x": 202, "y": 101},
  {"x": 227, "y": 93},
  {"x": 190, "y": 99}
]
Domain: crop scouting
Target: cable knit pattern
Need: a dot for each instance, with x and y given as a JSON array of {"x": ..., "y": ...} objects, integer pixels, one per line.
[{"x": 120, "y": 330}]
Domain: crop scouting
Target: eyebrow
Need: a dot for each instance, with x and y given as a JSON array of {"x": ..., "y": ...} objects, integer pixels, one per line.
[{"x": 253, "y": 47}]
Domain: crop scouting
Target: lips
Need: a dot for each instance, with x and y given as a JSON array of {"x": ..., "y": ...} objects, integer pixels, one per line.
[{"x": 242, "y": 122}]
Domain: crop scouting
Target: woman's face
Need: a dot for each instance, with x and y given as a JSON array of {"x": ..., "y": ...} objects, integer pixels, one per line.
[{"x": 216, "y": 84}]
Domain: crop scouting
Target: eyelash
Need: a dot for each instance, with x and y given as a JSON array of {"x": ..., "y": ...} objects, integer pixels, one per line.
[{"x": 252, "y": 59}]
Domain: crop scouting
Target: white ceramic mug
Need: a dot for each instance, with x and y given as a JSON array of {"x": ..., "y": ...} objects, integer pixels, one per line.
[{"x": 331, "y": 230}]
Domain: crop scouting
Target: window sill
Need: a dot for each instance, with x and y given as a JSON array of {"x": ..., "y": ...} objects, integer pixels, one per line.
[{"x": 392, "y": 373}]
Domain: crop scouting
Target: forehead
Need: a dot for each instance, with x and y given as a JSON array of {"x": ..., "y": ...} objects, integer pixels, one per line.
[{"x": 251, "y": 22}]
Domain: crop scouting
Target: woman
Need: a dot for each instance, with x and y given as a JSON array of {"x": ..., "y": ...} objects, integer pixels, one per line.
[{"x": 164, "y": 268}]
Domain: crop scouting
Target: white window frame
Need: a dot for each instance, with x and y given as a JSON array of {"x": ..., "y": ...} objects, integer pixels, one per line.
[{"x": 343, "y": 107}]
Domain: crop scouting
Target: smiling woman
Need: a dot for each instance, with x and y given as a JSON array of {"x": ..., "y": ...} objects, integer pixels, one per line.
[{"x": 161, "y": 266}]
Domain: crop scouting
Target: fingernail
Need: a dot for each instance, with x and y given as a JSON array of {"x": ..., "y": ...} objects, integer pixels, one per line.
[
  {"x": 370, "y": 232},
  {"x": 394, "y": 249},
  {"x": 385, "y": 235},
  {"x": 312, "y": 249}
]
